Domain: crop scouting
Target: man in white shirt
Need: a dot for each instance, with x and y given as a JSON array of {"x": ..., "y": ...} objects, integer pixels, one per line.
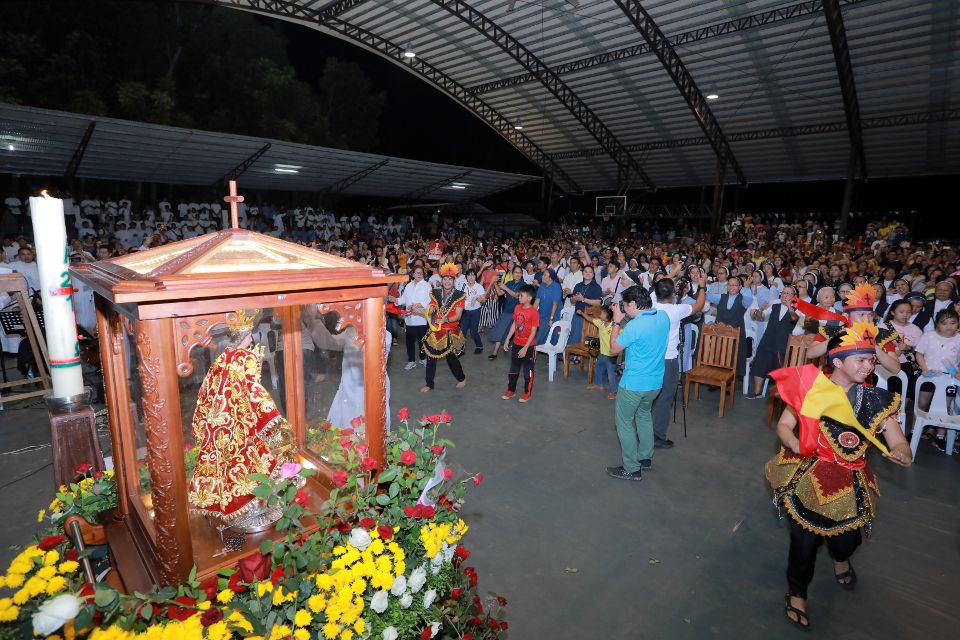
[
  {"x": 416, "y": 299},
  {"x": 572, "y": 279},
  {"x": 26, "y": 265},
  {"x": 475, "y": 296},
  {"x": 10, "y": 248},
  {"x": 665, "y": 294}
]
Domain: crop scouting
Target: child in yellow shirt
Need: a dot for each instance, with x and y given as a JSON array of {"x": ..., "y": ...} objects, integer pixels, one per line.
[{"x": 606, "y": 368}]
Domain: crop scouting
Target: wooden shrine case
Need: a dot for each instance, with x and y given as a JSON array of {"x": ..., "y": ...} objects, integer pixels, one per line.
[{"x": 161, "y": 314}]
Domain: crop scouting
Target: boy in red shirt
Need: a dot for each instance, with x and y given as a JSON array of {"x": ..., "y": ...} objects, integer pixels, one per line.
[{"x": 526, "y": 319}]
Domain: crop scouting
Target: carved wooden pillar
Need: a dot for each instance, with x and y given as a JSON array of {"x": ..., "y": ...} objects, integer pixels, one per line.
[
  {"x": 161, "y": 421},
  {"x": 114, "y": 382},
  {"x": 375, "y": 375}
]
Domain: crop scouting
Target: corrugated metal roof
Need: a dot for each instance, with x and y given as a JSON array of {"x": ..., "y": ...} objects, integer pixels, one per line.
[
  {"x": 44, "y": 142},
  {"x": 770, "y": 61}
]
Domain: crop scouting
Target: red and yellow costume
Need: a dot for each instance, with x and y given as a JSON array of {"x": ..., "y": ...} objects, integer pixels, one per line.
[
  {"x": 861, "y": 298},
  {"x": 444, "y": 336},
  {"x": 239, "y": 431},
  {"x": 828, "y": 488}
]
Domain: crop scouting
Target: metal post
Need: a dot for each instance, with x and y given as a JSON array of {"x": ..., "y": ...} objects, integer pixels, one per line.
[
  {"x": 718, "y": 196},
  {"x": 848, "y": 192}
]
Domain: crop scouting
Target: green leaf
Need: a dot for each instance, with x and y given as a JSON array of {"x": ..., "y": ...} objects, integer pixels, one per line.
[
  {"x": 393, "y": 490},
  {"x": 167, "y": 593},
  {"x": 266, "y": 546},
  {"x": 388, "y": 475},
  {"x": 262, "y": 491},
  {"x": 105, "y": 597},
  {"x": 192, "y": 578},
  {"x": 383, "y": 499},
  {"x": 147, "y": 611}
]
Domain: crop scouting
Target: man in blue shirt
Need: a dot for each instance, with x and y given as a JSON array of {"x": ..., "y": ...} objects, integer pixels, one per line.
[{"x": 644, "y": 338}]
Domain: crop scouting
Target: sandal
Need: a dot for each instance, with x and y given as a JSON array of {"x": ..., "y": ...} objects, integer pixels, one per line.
[
  {"x": 849, "y": 573},
  {"x": 803, "y": 620},
  {"x": 492, "y": 356}
]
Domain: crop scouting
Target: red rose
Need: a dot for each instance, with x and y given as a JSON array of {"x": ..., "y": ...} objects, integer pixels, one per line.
[
  {"x": 343, "y": 528},
  {"x": 425, "y": 634},
  {"x": 368, "y": 464},
  {"x": 424, "y": 419},
  {"x": 277, "y": 576},
  {"x": 175, "y": 612},
  {"x": 503, "y": 625},
  {"x": 86, "y": 591},
  {"x": 361, "y": 449},
  {"x": 467, "y": 636},
  {"x": 339, "y": 478},
  {"x": 462, "y": 554},
  {"x": 478, "y": 604},
  {"x": 300, "y": 497},
  {"x": 408, "y": 457},
  {"x": 51, "y": 542},
  {"x": 356, "y": 422},
  {"x": 447, "y": 474},
  {"x": 456, "y": 593},
  {"x": 326, "y": 426},
  {"x": 254, "y": 567},
  {"x": 436, "y": 450},
  {"x": 475, "y": 621},
  {"x": 403, "y": 414},
  {"x": 494, "y": 624},
  {"x": 71, "y": 554},
  {"x": 445, "y": 417},
  {"x": 429, "y": 512},
  {"x": 346, "y": 432},
  {"x": 211, "y": 616},
  {"x": 235, "y": 584},
  {"x": 368, "y": 523},
  {"x": 435, "y": 418},
  {"x": 346, "y": 443},
  {"x": 409, "y": 511},
  {"x": 501, "y": 601},
  {"x": 477, "y": 479},
  {"x": 83, "y": 468},
  {"x": 209, "y": 587},
  {"x": 473, "y": 579},
  {"x": 97, "y": 475},
  {"x": 386, "y": 533}
]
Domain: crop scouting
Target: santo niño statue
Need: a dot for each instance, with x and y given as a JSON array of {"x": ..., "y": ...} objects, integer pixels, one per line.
[{"x": 239, "y": 431}]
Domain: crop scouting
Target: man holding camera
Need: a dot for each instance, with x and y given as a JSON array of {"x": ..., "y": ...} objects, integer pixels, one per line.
[
  {"x": 644, "y": 338},
  {"x": 665, "y": 291}
]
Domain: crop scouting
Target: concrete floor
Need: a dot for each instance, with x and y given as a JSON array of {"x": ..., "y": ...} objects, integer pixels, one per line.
[{"x": 693, "y": 551}]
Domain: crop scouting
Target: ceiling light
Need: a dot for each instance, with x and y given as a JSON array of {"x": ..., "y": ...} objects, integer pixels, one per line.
[
  {"x": 408, "y": 52},
  {"x": 457, "y": 186},
  {"x": 518, "y": 126},
  {"x": 713, "y": 96},
  {"x": 10, "y": 147},
  {"x": 287, "y": 168}
]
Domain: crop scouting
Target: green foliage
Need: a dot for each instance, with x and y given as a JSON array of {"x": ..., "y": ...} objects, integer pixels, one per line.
[{"x": 181, "y": 64}]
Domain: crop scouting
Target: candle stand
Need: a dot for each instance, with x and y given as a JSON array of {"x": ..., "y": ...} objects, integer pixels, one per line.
[{"x": 73, "y": 435}]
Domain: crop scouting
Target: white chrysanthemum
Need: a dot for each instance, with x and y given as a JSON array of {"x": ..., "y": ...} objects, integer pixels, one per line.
[
  {"x": 417, "y": 579},
  {"x": 379, "y": 601},
  {"x": 399, "y": 585},
  {"x": 390, "y": 633},
  {"x": 436, "y": 563},
  {"x": 359, "y": 538},
  {"x": 406, "y": 600},
  {"x": 448, "y": 552},
  {"x": 434, "y": 627},
  {"x": 429, "y": 597}
]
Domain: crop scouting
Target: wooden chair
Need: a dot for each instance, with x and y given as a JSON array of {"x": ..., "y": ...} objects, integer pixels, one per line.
[
  {"x": 716, "y": 363},
  {"x": 795, "y": 356},
  {"x": 581, "y": 349}
]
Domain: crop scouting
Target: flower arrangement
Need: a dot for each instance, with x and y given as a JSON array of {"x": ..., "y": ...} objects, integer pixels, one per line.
[
  {"x": 93, "y": 493},
  {"x": 384, "y": 561}
]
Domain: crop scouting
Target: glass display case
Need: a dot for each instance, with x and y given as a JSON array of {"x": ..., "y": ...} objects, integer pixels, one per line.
[{"x": 166, "y": 317}]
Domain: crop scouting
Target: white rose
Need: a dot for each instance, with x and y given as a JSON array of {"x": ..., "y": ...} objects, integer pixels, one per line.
[
  {"x": 359, "y": 538},
  {"x": 417, "y": 579},
  {"x": 390, "y": 633},
  {"x": 379, "y": 601},
  {"x": 399, "y": 585},
  {"x": 434, "y": 627},
  {"x": 54, "y": 613},
  {"x": 406, "y": 600},
  {"x": 429, "y": 597}
]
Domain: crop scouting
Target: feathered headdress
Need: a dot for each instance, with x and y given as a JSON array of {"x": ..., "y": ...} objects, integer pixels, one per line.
[
  {"x": 449, "y": 269},
  {"x": 861, "y": 298},
  {"x": 859, "y": 339}
]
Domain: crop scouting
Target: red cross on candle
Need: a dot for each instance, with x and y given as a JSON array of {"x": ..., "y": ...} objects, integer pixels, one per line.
[{"x": 233, "y": 199}]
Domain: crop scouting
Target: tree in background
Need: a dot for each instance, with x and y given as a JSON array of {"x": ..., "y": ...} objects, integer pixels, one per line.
[{"x": 180, "y": 64}]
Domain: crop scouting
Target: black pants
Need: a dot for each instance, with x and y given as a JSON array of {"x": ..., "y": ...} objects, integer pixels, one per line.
[
  {"x": 518, "y": 365},
  {"x": 804, "y": 545},
  {"x": 415, "y": 335},
  {"x": 455, "y": 368}
]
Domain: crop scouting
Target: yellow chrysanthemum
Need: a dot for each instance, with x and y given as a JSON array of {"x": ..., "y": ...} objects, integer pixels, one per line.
[
  {"x": 359, "y": 626},
  {"x": 301, "y": 634},
  {"x": 264, "y": 587},
  {"x": 219, "y": 631},
  {"x": 21, "y": 596},
  {"x": 20, "y": 566},
  {"x": 331, "y": 631},
  {"x": 302, "y": 618},
  {"x": 35, "y": 586},
  {"x": 225, "y": 596},
  {"x": 14, "y": 580},
  {"x": 45, "y": 573},
  {"x": 279, "y": 632},
  {"x": 56, "y": 585},
  {"x": 8, "y": 611},
  {"x": 317, "y": 603},
  {"x": 41, "y": 514},
  {"x": 203, "y": 606},
  {"x": 52, "y": 557},
  {"x": 68, "y": 566},
  {"x": 238, "y": 620}
]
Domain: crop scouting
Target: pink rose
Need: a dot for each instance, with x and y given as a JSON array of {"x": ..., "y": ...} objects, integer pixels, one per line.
[
  {"x": 361, "y": 449},
  {"x": 339, "y": 478},
  {"x": 408, "y": 457},
  {"x": 447, "y": 474},
  {"x": 289, "y": 470},
  {"x": 404, "y": 413}
]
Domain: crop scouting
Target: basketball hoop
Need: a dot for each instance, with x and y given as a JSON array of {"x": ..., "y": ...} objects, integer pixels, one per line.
[{"x": 606, "y": 216}]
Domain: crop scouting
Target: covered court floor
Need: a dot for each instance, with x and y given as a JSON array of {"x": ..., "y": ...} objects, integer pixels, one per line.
[{"x": 694, "y": 551}]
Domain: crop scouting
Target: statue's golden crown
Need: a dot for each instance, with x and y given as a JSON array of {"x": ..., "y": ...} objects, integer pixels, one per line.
[{"x": 242, "y": 320}]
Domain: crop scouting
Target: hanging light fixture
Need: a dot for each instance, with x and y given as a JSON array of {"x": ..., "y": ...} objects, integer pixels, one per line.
[
  {"x": 519, "y": 125},
  {"x": 408, "y": 52},
  {"x": 713, "y": 96}
]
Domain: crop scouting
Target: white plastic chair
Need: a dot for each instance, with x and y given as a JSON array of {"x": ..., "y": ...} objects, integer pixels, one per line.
[
  {"x": 750, "y": 332},
  {"x": 690, "y": 339},
  {"x": 568, "y": 312},
  {"x": 883, "y": 382},
  {"x": 938, "y": 415},
  {"x": 552, "y": 350}
]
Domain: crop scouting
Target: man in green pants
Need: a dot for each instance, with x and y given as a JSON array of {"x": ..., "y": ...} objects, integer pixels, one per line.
[{"x": 644, "y": 338}]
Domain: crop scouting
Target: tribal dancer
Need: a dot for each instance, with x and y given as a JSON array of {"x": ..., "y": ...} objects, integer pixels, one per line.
[
  {"x": 857, "y": 307},
  {"x": 444, "y": 338},
  {"x": 820, "y": 476}
]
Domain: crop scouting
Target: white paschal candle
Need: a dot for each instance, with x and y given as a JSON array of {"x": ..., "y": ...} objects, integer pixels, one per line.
[{"x": 56, "y": 291}]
